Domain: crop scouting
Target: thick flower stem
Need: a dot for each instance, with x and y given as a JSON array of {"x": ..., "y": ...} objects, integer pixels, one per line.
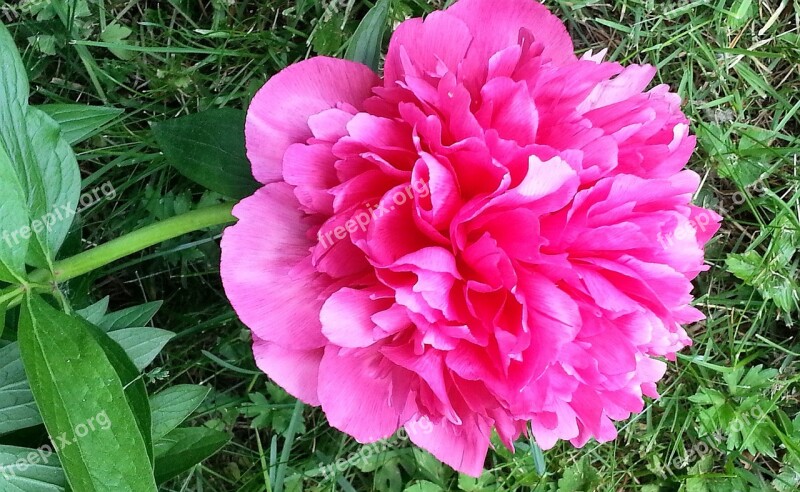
[{"x": 134, "y": 242}]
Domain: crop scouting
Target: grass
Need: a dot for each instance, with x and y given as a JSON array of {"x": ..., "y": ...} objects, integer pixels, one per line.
[{"x": 728, "y": 419}]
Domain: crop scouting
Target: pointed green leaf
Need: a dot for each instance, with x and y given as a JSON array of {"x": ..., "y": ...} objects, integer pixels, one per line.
[
  {"x": 79, "y": 122},
  {"x": 209, "y": 149},
  {"x": 142, "y": 344},
  {"x": 17, "y": 407},
  {"x": 75, "y": 383},
  {"x": 54, "y": 167},
  {"x": 44, "y": 165},
  {"x": 94, "y": 313},
  {"x": 132, "y": 382},
  {"x": 30, "y": 470},
  {"x": 130, "y": 317},
  {"x": 182, "y": 449},
  {"x": 366, "y": 43},
  {"x": 173, "y": 406}
]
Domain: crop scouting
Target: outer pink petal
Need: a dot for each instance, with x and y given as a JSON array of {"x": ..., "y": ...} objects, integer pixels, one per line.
[
  {"x": 356, "y": 390},
  {"x": 632, "y": 81},
  {"x": 296, "y": 371},
  {"x": 266, "y": 269},
  {"x": 278, "y": 115},
  {"x": 464, "y": 447},
  {"x": 496, "y": 24},
  {"x": 419, "y": 47}
]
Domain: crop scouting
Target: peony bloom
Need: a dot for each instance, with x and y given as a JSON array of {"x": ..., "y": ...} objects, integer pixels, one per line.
[{"x": 497, "y": 235}]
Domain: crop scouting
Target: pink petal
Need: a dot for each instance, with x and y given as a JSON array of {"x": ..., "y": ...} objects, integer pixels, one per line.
[
  {"x": 464, "y": 447},
  {"x": 548, "y": 186},
  {"x": 266, "y": 270},
  {"x": 632, "y": 81},
  {"x": 310, "y": 168},
  {"x": 356, "y": 391},
  {"x": 418, "y": 47},
  {"x": 296, "y": 371},
  {"x": 346, "y": 317},
  {"x": 496, "y": 24},
  {"x": 436, "y": 191},
  {"x": 508, "y": 108},
  {"x": 279, "y": 114}
]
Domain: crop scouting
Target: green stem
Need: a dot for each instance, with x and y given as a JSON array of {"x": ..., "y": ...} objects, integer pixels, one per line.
[{"x": 134, "y": 242}]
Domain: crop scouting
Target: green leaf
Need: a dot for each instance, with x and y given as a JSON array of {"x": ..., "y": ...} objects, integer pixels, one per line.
[
  {"x": 130, "y": 317},
  {"x": 17, "y": 407},
  {"x": 745, "y": 266},
  {"x": 30, "y": 470},
  {"x": 579, "y": 477},
  {"x": 79, "y": 122},
  {"x": 366, "y": 43},
  {"x": 182, "y": 449},
  {"x": 46, "y": 43},
  {"x": 114, "y": 33},
  {"x": 539, "y": 461},
  {"x": 142, "y": 344},
  {"x": 3, "y": 310},
  {"x": 44, "y": 165},
  {"x": 13, "y": 210},
  {"x": 132, "y": 382},
  {"x": 77, "y": 388},
  {"x": 94, "y": 313},
  {"x": 423, "y": 486},
  {"x": 173, "y": 406},
  {"x": 59, "y": 176},
  {"x": 209, "y": 149}
]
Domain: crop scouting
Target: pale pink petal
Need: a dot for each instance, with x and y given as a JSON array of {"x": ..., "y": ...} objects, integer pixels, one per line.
[
  {"x": 266, "y": 269},
  {"x": 355, "y": 389},
  {"x": 279, "y": 113},
  {"x": 632, "y": 81},
  {"x": 296, "y": 371},
  {"x": 496, "y": 24},
  {"x": 420, "y": 47},
  {"x": 346, "y": 317},
  {"x": 464, "y": 447}
]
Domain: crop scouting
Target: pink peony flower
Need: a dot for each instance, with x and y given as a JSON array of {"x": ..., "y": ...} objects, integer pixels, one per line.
[{"x": 496, "y": 235}]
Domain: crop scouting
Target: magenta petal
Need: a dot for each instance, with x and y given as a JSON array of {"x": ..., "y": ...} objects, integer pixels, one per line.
[
  {"x": 508, "y": 108},
  {"x": 278, "y": 115},
  {"x": 311, "y": 169}
]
